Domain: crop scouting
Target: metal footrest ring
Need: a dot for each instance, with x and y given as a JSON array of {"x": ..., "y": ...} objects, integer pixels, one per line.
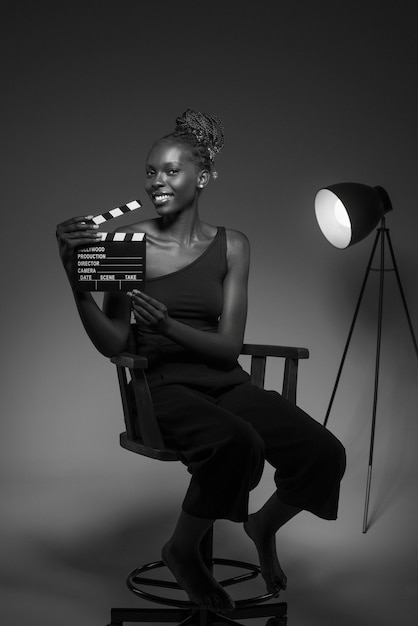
[{"x": 135, "y": 580}]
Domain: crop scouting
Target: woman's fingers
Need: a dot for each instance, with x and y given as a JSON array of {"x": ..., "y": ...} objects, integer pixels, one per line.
[
  {"x": 76, "y": 225},
  {"x": 75, "y": 232},
  {"x": 147, "y": 310},
  {"x": 78, "y": 230},
  {"x": 146, "y": 303},
  {"x": 74, "y": 222},
  {"x": 143, "y": 319},
  {"x": 146, "y": 300}
]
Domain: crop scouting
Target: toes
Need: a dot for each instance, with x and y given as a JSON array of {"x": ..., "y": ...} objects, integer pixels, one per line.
[
  {"x": 283, "y": 582},
  {"x": 275, "y": 585},
  {"x": 225, "y": 605},
  {"x": 278, "y": 587},
  {"x": 216, "y": 604},
  {"x": 230, "y": 606}
]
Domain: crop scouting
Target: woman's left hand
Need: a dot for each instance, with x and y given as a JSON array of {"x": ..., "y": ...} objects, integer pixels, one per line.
[{"x": 148, "y": 312}]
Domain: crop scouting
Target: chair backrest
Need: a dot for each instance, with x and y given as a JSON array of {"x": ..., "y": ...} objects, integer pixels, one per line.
[{"x": 142, "y": 434}]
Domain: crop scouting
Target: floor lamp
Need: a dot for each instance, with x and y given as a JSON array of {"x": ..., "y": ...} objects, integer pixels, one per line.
[{"x": 346, "y": 214}]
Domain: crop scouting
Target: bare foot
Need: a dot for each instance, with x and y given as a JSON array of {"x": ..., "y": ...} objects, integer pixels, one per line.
[
  {"x": 195, "y": 579},
  {"x": 271, "y": 570}
]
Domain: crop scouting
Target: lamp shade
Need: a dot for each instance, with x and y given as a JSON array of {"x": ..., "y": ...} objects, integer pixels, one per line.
[{"x": 348, "y": 212}]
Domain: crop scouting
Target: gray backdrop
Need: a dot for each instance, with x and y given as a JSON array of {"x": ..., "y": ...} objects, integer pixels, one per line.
[{"x": 310, "y": 93}]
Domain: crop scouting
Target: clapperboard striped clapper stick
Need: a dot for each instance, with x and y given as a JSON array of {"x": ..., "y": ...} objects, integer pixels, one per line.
[
  {"x": 120, "y": 210},
  {"x": 117, "y": 262}
]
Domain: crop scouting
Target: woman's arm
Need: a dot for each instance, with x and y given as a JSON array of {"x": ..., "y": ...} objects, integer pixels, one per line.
[
  {"x": 108, "y": 329},
  {"x": 223, "y": 346}
]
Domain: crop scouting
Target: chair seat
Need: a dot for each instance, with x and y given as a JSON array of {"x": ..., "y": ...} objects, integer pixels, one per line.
[{"x": 164, "y": 454}]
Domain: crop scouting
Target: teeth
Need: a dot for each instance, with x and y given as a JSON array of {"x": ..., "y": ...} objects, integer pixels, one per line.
[{"x": 162, "y": 198}]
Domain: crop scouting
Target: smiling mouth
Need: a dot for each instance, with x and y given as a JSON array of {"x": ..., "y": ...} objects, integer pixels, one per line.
[{"x": 161, "y": 198}]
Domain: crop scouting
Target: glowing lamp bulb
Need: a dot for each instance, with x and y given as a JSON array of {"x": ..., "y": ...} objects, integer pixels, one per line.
[{"x": 341, "y": 214}]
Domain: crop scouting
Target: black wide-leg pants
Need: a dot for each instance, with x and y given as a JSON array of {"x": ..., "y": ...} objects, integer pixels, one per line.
[{"x": 224, "y": 438}]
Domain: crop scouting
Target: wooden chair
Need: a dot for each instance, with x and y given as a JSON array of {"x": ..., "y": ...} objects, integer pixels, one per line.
[{"x": 143, "y": 436}]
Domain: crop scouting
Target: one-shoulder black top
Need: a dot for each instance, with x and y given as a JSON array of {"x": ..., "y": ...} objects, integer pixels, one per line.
[{"x": 194, "y": 296}]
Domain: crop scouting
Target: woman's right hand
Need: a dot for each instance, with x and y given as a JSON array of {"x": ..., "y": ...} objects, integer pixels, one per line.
[{"x": 77, "y": 231}]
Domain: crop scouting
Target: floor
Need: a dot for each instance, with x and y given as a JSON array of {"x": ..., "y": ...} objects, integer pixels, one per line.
[{"x": 68, "y": 543}]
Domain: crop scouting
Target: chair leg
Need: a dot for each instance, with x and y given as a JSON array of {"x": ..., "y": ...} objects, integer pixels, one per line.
[
  {"x": 192, "y": 619},
  {"x": 182, "y": 617},
  {"x": 220, "y": 620},
  {"x": 119, "y": 616},
  {"x": 198, "y": 617},
  {"x": 207, "y": 618},
  {"x": 276, "y": 611}
]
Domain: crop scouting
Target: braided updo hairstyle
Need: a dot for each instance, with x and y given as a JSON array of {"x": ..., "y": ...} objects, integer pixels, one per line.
[{"x": 202, "y": 135}]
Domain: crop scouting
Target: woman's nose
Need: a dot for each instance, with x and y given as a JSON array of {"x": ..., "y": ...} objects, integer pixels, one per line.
[{"x": 157, "y": 182}]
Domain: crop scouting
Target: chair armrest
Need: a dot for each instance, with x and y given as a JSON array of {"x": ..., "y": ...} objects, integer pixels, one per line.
[
  {"x": 132, "y": 361},
  {"x": 136, "y": 361},
  {"x": 291, "y": 352},
  {"x": 259, "y": 354},
  {"x": 138, "y": 411}
]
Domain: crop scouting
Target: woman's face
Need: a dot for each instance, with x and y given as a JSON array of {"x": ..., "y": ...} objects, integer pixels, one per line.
[{"x": 172, "y": 178}]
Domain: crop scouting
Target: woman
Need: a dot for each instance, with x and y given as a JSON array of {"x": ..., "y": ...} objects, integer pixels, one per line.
[{"x": 190, "y": 324}]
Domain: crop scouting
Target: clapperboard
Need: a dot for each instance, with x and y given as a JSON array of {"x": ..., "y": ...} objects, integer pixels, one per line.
[{"x": 116, "y": 263}]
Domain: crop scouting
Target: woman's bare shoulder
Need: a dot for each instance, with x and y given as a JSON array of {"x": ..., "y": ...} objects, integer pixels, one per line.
[
  {"x": 237, "y": 249},
  {"x": 236, "y": 241}
]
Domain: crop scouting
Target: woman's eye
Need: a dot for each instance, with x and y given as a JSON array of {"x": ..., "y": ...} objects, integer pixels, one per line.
[
  {"x": 173, "y": 171},
  {"x": 149, "y": 174}
]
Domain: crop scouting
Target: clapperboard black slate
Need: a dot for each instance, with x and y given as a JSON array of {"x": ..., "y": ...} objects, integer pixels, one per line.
[{"x": 117, "y": 263}]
